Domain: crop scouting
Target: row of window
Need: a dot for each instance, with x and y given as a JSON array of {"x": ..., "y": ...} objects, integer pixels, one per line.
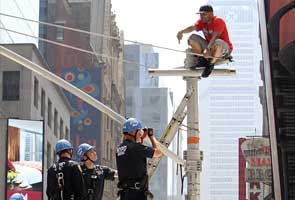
[{"x": 56, "y": 123}]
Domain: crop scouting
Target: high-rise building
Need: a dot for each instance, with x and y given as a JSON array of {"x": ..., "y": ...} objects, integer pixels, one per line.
[
  {"x": 147, "y": 102},
  {"x": 25, "y": 9},
  {"x": 230, "y": 106}
]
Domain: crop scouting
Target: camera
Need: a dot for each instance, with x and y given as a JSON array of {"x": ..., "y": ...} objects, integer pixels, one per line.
[{"x": 149, "y": 131}]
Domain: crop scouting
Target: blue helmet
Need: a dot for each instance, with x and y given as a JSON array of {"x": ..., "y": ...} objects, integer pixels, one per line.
[
  {"x": 17, "y": 196},
  {"x": 131, "y": 124},
  {"x": 82, "y": 150},
  {"x": 62, "y": 145}
]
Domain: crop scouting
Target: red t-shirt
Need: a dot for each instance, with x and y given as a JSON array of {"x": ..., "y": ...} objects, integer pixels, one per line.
[{"x": 216, "y": 25}]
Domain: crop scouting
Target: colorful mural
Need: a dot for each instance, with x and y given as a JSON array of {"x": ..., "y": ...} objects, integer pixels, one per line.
[{"x": 85, "y": 120}]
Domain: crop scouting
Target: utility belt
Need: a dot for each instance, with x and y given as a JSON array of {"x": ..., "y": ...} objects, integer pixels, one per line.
[
  {"x": 132, "y": 185},
  {"x": 57, "y": 196},
  {"x": 145, "y": 191}
]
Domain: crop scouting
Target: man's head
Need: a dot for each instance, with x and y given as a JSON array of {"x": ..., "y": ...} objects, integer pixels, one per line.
[
  {"x": 63, "y": 147},
  {"x": 86, "y": 152},
  {"x": 206, "y": 13},
  {"x": 132, "y": 129}
]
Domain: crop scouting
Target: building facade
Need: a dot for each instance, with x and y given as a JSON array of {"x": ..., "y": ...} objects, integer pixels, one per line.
[
  {"x": 279, "y": 64},
  {"x": 100, "y": 75},
  {"x": 230, "y": 106},
  {"x": 27, "y": 95}
]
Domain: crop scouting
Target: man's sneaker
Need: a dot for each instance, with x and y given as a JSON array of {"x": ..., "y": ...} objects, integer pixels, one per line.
[
  {"x": 207, "y": 71},
  {"x": 202, "y": 62}
]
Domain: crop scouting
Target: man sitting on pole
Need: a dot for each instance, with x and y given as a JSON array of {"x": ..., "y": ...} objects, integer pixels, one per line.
[{"x": 216, "y": 44}]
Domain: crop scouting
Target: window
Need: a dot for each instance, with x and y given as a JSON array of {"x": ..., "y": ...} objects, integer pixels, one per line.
[
  {"x": 48, "y": 154},
  {"x": 36, "y": 94},
  {"x": 67, "y": 133},
  {"x": 59, "y": 34},
  {"x": 55, "y": 125},
  {"x": 11, "y": 85},
  {"x": 61, "y": 128},
  {"x": 43, "y": 103},
  {"x": 49, "y": 113},
  {"x": 60, "y": 31},
  {"x": 107, "y": 151}
]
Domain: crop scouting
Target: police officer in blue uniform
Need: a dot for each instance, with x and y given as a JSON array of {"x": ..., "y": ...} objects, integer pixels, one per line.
[
  {"x": 64, "y": 178},
  {"x": 94, "y": 175},
  {"x": 131, "y": 157}
]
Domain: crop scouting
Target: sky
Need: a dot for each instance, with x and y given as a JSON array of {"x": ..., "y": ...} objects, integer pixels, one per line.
[{"x": 157, "y": 22}]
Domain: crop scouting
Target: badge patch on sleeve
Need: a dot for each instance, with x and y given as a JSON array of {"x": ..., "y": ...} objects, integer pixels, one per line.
[{"x": 121, "y": 150}]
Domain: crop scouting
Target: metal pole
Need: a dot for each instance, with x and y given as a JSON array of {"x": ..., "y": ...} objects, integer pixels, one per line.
[{"x": 194, "y": 155}]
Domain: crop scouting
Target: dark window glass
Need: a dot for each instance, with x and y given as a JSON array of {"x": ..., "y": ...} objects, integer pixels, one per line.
[{"x": 11, "y": 85}]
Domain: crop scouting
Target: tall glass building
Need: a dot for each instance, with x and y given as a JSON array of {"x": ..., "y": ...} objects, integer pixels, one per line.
[
  {"x": 24, "y": 9},
  {"x": 230, "y": 106}
]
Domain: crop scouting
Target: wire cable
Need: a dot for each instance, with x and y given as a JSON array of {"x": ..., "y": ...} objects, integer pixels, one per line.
[
  {"x": 12, "y": 40},
  {"x": 106, "y": 36},
  {"x": 93, "y": 33},
  {"x": 74, "y": 48},
  {"x": 189, "y": 128}
]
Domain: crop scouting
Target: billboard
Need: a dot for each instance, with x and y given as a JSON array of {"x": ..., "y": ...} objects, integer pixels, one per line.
[{"x": 24, "y": 160}]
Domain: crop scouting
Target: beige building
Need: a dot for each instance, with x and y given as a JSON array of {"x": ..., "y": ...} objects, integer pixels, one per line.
[
  {"x": 112, "y": 95},
  {"x": 26, "y": 95}
]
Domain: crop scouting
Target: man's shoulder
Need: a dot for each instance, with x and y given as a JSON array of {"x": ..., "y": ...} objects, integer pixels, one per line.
[
  {"x": 73, "y": 163},
  {"x": 218, "y": 19}
]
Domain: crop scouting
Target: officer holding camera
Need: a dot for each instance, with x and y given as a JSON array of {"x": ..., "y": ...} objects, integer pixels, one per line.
[{"x": 131, "y": 157}]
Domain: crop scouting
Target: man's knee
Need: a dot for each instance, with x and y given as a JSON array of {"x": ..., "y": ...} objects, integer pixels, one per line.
[
  {"x": 193, "y": 39},
  {"x": 217, "y": 46},
  {"x": 193, "y": 42}
]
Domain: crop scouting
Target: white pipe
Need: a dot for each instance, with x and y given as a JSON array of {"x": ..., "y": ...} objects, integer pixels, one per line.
[
  {"x": 189, "y": 72},
  {"x": 62, "y": 83}
]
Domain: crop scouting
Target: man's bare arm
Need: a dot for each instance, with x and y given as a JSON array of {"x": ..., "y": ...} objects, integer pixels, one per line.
[{"x": 186, "y": 30}]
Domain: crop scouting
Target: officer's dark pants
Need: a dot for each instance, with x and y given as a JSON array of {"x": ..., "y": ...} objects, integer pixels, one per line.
[{"x": 133, "y": 195}]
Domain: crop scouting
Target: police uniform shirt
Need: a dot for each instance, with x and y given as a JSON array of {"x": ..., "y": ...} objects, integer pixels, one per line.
[
  {"x": 131, "y": 160},
  {"x": 94, "y": 180},
  {"x": 73, "y": 180}
]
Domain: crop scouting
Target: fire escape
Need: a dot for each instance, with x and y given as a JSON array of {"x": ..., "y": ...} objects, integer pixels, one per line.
[{"x": 282, "y": 63}]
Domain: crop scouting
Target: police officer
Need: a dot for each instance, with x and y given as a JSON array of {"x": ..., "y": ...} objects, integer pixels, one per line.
[
  {"x": 131, "y": 157},
  {"x": 64, "y": 178},
  {"x": 94, "y": 175},
  {"x": 17, "y": 196}
]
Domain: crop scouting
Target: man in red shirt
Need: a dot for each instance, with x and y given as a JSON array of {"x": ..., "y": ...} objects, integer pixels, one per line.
[{"x": 216, "y": 43}]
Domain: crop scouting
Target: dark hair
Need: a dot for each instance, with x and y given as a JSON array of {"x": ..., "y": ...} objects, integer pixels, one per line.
[{"x": 64, "y": 151}]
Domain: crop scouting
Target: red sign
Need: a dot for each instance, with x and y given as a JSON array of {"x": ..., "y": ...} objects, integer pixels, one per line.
[{"x": 28, "y": 195}]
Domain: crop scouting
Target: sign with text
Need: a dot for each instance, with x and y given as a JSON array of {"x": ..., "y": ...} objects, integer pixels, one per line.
[{"x": 257, "y": 154}]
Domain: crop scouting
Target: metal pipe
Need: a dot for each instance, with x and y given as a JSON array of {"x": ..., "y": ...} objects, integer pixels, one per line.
[
  {"x": 189, "y": 72},
  {"x": 194, "y": 158}
]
